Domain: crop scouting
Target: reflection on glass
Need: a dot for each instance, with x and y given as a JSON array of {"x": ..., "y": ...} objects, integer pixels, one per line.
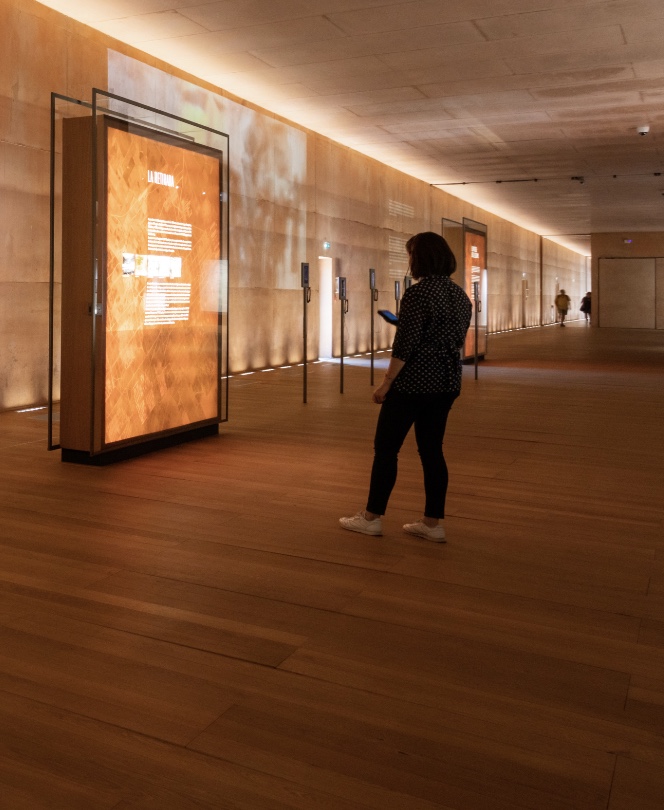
[{"x": 162, "y": 285}]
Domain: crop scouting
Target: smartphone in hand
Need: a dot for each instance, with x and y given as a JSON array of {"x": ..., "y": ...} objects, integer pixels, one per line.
[{"x": 390, "y": 317}]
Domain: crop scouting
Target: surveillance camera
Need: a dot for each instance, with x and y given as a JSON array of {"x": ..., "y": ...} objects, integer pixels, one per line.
[{"x": 643, "y": 130}]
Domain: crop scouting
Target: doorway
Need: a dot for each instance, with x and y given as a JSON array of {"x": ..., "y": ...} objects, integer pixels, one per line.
[
  {"x": 326, "y": 302},
  {"x": 524, "y": 302}
]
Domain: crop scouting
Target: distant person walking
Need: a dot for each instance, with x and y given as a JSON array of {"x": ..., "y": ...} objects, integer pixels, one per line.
[
  {"x": 422, "y": 382},
  {"x": 586, "y": 306},
  {"x": 562, "y": 305}
]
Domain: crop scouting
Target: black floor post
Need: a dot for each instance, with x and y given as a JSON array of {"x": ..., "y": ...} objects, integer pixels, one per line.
[
  {"x": 374, "y": 298},
  {"x": 306, "y": 297}
]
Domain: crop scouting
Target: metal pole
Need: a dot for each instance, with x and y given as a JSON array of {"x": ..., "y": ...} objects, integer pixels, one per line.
[
  {"x": 541, "y": 281},
  {"x": 374, "y": 297},
  {"x": 344, "y": 310},
  {"x": 341, "y": 357},
  {"x": 305, "y": 291},
  {"x": 478, "y": 305},
  {"x": 97, "y": 288},
  {"x": 371, "y": 382},
  {"x": 51, "y": 280},
  {"x": 306, "y": 297}
]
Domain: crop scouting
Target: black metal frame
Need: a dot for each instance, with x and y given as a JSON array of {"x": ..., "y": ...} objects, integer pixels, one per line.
[
  {"x": 479, "y": 229},
  {"x": 223, "y": 352}
]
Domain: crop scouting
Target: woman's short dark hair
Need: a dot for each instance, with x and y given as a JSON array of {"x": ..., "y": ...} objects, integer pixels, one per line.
[{"x": 430, "y": 255}]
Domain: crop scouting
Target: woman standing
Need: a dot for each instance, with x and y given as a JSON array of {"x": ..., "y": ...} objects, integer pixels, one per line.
[
  {"x": 586, "y": 305},
  {"x": 422, "y": 381},
  {"x": 562, "y": 305}
]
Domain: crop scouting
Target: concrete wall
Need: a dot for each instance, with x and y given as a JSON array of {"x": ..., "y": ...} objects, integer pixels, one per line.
[{"x": 290, "y": 190}]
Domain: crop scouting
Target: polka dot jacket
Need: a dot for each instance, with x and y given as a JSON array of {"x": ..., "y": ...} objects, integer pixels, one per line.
[{"x": 433, "y": 320}]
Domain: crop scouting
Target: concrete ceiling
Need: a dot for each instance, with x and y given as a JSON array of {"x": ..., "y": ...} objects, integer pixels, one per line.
[{"x": 451, "y": 91}]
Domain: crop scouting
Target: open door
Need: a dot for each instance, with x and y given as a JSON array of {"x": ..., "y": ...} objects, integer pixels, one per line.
[{"x": 326, "y": 299}]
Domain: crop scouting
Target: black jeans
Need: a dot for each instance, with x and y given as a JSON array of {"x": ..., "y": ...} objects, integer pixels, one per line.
[{"x": 398, "y": 413}]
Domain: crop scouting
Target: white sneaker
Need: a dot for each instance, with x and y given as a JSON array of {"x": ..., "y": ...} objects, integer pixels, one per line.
[
  {"x": 419, "y": 529},
  {"x": 359, "y": 523}
]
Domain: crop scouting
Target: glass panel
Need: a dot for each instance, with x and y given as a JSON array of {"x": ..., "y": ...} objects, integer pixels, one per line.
[
  {"x": 161, "y": 245},
  {"x": 63, "y": 109},
  {"x": 453, "y": 235},
  {"x": 475, "y": 273}
]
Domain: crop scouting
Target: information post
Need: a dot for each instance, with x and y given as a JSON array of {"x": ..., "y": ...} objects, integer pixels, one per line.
[
  {"x": 374, "y": 298},
  {"x": 344, "y": 309},
  {"x": 306, "y": 298}
]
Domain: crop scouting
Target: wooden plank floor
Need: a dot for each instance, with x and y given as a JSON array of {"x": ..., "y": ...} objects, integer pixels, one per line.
[{"x": 191, "y": 629}]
